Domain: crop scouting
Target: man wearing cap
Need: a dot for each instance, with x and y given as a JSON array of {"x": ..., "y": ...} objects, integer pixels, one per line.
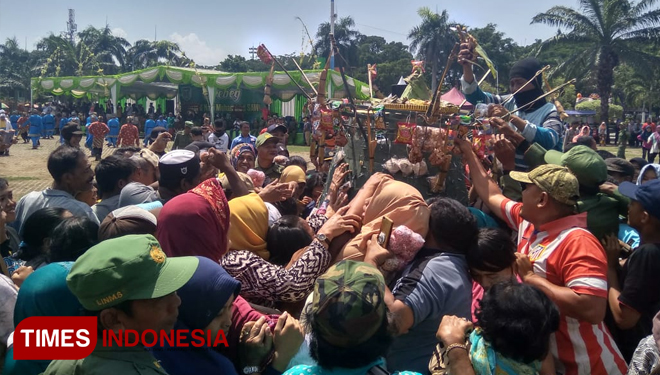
[
  {"x": 113, "y": 125},
  {"x": 135, "y": 289},
  {"x": 128, "y": 134},
  {"x": 183, "y": 138},
  {"x": 266, "y": 152},
  {"x": 559, "y": 256},
  {"x": 98, "y": 130},
  {"x": 634, "y": 289},
  {"x": 71, "y": 135},
  {"x": 348, "y": 321},
  {"x": 179, "y": 172},
  {"x": 219, "y": 137},
  {"x": 620, "y": 170},
  {"x": 158, "y": 140},
  {"x": 538, "y": 122},
  {"x": 244, "y": 137}
]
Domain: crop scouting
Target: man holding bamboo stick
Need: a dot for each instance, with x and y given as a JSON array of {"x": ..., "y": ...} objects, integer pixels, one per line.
[{"x": 525, "y": 111}]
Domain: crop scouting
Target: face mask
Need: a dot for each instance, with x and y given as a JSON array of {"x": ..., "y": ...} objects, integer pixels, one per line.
[{"x": 525, "y": 97}]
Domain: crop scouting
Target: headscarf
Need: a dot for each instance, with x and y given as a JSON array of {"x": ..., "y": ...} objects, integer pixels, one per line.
[
  {"x": 238, "y": 150},
  {"x": 400, "y": 202},
  {"x": 526, "y": 69},
  {"x": 584, "y": 131},
  {"x": 249, "y": 225},
  {"x": 645, "y": 168},
  {"x": 293, "y": 173},
  {"x": 202, "y": 298},
  {"x": 195, "y": 223},
  {"x": 486, "y": 361},
  {"x": 44, "y": 293}
]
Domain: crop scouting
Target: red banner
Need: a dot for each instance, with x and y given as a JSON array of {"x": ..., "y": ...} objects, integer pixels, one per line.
[{"x": 264, "y": 55}]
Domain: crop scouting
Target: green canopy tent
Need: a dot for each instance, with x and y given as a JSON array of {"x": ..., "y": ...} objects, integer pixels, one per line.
[{"x": 165, "y": 81}]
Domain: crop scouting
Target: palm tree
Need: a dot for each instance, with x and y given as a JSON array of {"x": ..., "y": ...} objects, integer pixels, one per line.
[
  {"x": 604, "y": 33},
  {"x": 109, "y": 49},
  {"x": 14, "y": 69},
  {"x": 145, "y": 53},
  {"x": 432, "y": 40},
  {"x": 346, "y": 38}
]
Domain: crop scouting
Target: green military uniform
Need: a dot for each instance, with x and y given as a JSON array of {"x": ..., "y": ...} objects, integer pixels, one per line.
[
  {"x": 122, "y": 269},
  {"x": 109, "y": 360}
]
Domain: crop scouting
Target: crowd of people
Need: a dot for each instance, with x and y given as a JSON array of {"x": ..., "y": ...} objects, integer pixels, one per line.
[{"x": 551, "y": 269}]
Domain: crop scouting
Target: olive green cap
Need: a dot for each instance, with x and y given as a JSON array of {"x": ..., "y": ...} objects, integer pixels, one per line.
[
  {"x": 585, "y": 163},
  {"x": 557, "y": 181},
  {"x": 127, "y": 268}
]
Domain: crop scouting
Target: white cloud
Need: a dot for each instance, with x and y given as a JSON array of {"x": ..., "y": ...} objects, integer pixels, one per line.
[
  {"x": 198, "y": 50},
  {"x": 119, "y": 32}
]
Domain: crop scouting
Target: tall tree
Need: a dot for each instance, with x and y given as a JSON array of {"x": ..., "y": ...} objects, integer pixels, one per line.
[
  {"x": 432, "y": 40},
  {"x": 110, "y": 50},
  {"x": 14, "y": 69},
  {"x": 604, "y": 33},
  {"x": 146, "y": 53},
  {"x": 345, "y": 36}
]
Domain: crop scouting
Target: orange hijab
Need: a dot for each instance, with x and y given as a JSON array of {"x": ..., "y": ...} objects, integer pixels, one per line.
[
  {"x": 248, "y": 225},
  {"x": 400, "y": 202}
]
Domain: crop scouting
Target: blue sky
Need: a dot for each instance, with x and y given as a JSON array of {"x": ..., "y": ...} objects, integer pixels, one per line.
[{"x": 210, "y": 30}]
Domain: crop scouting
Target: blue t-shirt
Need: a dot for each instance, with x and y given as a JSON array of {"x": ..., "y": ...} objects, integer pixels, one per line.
[
  {"x": 113, "y": 125},
  {"x": 35, "y": 125},
  {"x": 629, "y": 235},
  {"x": 48, "y": 121},
  {"x": 162, "y": 123},
  {"x": 240, "y": 139},
  {"x": 149, "y": 125},
  {"x": 63, "y": 122},
  {"x": 435, "y": 284},
  {"x": 14, "y": 120}
]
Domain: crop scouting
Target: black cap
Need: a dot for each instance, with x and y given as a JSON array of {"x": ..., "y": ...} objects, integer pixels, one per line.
[
  {"x": 70, "y": 130},
  {"x": 276, "y": 127},
  {"x": 619, "y": 165},
  {"x": 157, "y": 130},
  {"x": 199, "y": 146}
]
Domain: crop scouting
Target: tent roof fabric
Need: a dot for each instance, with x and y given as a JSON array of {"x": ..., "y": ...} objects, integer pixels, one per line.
[
  {"x": 456, "y": 97},
  {"x": 163, "y": 81}
]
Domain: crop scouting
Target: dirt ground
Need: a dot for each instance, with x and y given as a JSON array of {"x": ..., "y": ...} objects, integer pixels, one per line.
[{"x": 26, "y": 168}]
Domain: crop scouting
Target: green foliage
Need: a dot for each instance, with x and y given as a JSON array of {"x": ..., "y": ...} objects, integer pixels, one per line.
[{"x": 616, "y": 111}]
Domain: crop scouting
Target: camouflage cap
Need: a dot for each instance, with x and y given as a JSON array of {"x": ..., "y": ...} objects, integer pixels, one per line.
[
  {"x": 348, "y": 306},
  {"x": 557, "y": 181}
]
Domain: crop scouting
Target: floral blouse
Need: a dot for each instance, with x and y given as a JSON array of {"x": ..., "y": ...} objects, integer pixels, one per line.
[{"x": 266, "y": 284}]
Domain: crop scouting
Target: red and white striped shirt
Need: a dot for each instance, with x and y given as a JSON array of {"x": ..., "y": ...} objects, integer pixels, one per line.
[{"x": 567, "y": 255}]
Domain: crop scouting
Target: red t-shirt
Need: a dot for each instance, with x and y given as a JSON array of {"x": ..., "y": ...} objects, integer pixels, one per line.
[{"x": 566, "y": 254}]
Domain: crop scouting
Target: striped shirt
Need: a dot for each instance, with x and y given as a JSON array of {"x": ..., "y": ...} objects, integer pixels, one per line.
[{"x": 566, "y": 254}]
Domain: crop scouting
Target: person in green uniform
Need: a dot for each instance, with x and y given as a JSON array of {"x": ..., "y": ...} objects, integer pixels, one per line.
[
  {"x": 266, "y": 153},
  {"x": 128, "y": 283},
  {"x": 183, "y": 138}
]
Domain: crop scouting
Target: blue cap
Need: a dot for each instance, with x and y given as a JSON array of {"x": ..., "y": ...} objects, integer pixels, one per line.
[{"x": 648, "y": 195}]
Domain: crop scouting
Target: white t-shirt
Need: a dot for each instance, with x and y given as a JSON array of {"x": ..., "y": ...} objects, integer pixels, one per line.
[{"x": 221, "y": 143}]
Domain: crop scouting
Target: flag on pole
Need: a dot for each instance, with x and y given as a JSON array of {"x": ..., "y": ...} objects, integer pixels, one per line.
[{"x": 264, "y": 55}]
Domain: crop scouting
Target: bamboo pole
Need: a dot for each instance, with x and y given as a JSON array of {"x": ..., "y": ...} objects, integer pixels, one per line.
[
  {"x": 371, "y": 85},
  {"x": 305, "y": 77},
  {"x": 526, "y": 83}
]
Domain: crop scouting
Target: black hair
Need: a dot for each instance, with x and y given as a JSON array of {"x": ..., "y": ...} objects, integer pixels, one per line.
[
  {"x": 72, "y": 238},
  {"x": 110, "y": 171},
  {"x": 605, "y": 154},
  {"x": 37, "y": 229},
  {"x": 453, "y": 225},
  {"x": 63, "y": 160},
  {"x": 3, "y": 183},
  {"x": 585, "y": 140},
  {"x": 495, "y": 251},
  {"x": 219, "y": 123},
  {"x": 313, "y": 180},
  {"x": 288, "y": 206},
  {"x": 286, "y": 236},
  {"x": 196, "y": 130},
  {"x": 330, "y": 356},
  {"x": 127, "y": 151},
  {"x": 299, "y": 161},
  {"x": 517, "y": 320}
]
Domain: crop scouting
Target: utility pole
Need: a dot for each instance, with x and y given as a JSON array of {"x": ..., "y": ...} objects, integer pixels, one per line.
[
  {"x": 332, "y": 31},
  {"x": 253, "y": 51},
  {"x": 71, "y": 27}
]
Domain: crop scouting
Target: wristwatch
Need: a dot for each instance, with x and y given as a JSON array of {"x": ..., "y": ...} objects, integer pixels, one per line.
[
  {"x": 247, "y": 370},
  {"x": 323, "y": 238}
]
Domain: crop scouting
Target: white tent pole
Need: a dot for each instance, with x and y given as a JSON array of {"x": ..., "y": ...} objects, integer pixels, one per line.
[
  {"x": 113, "y": 94},
  {"x": 211, "y": 91}
]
